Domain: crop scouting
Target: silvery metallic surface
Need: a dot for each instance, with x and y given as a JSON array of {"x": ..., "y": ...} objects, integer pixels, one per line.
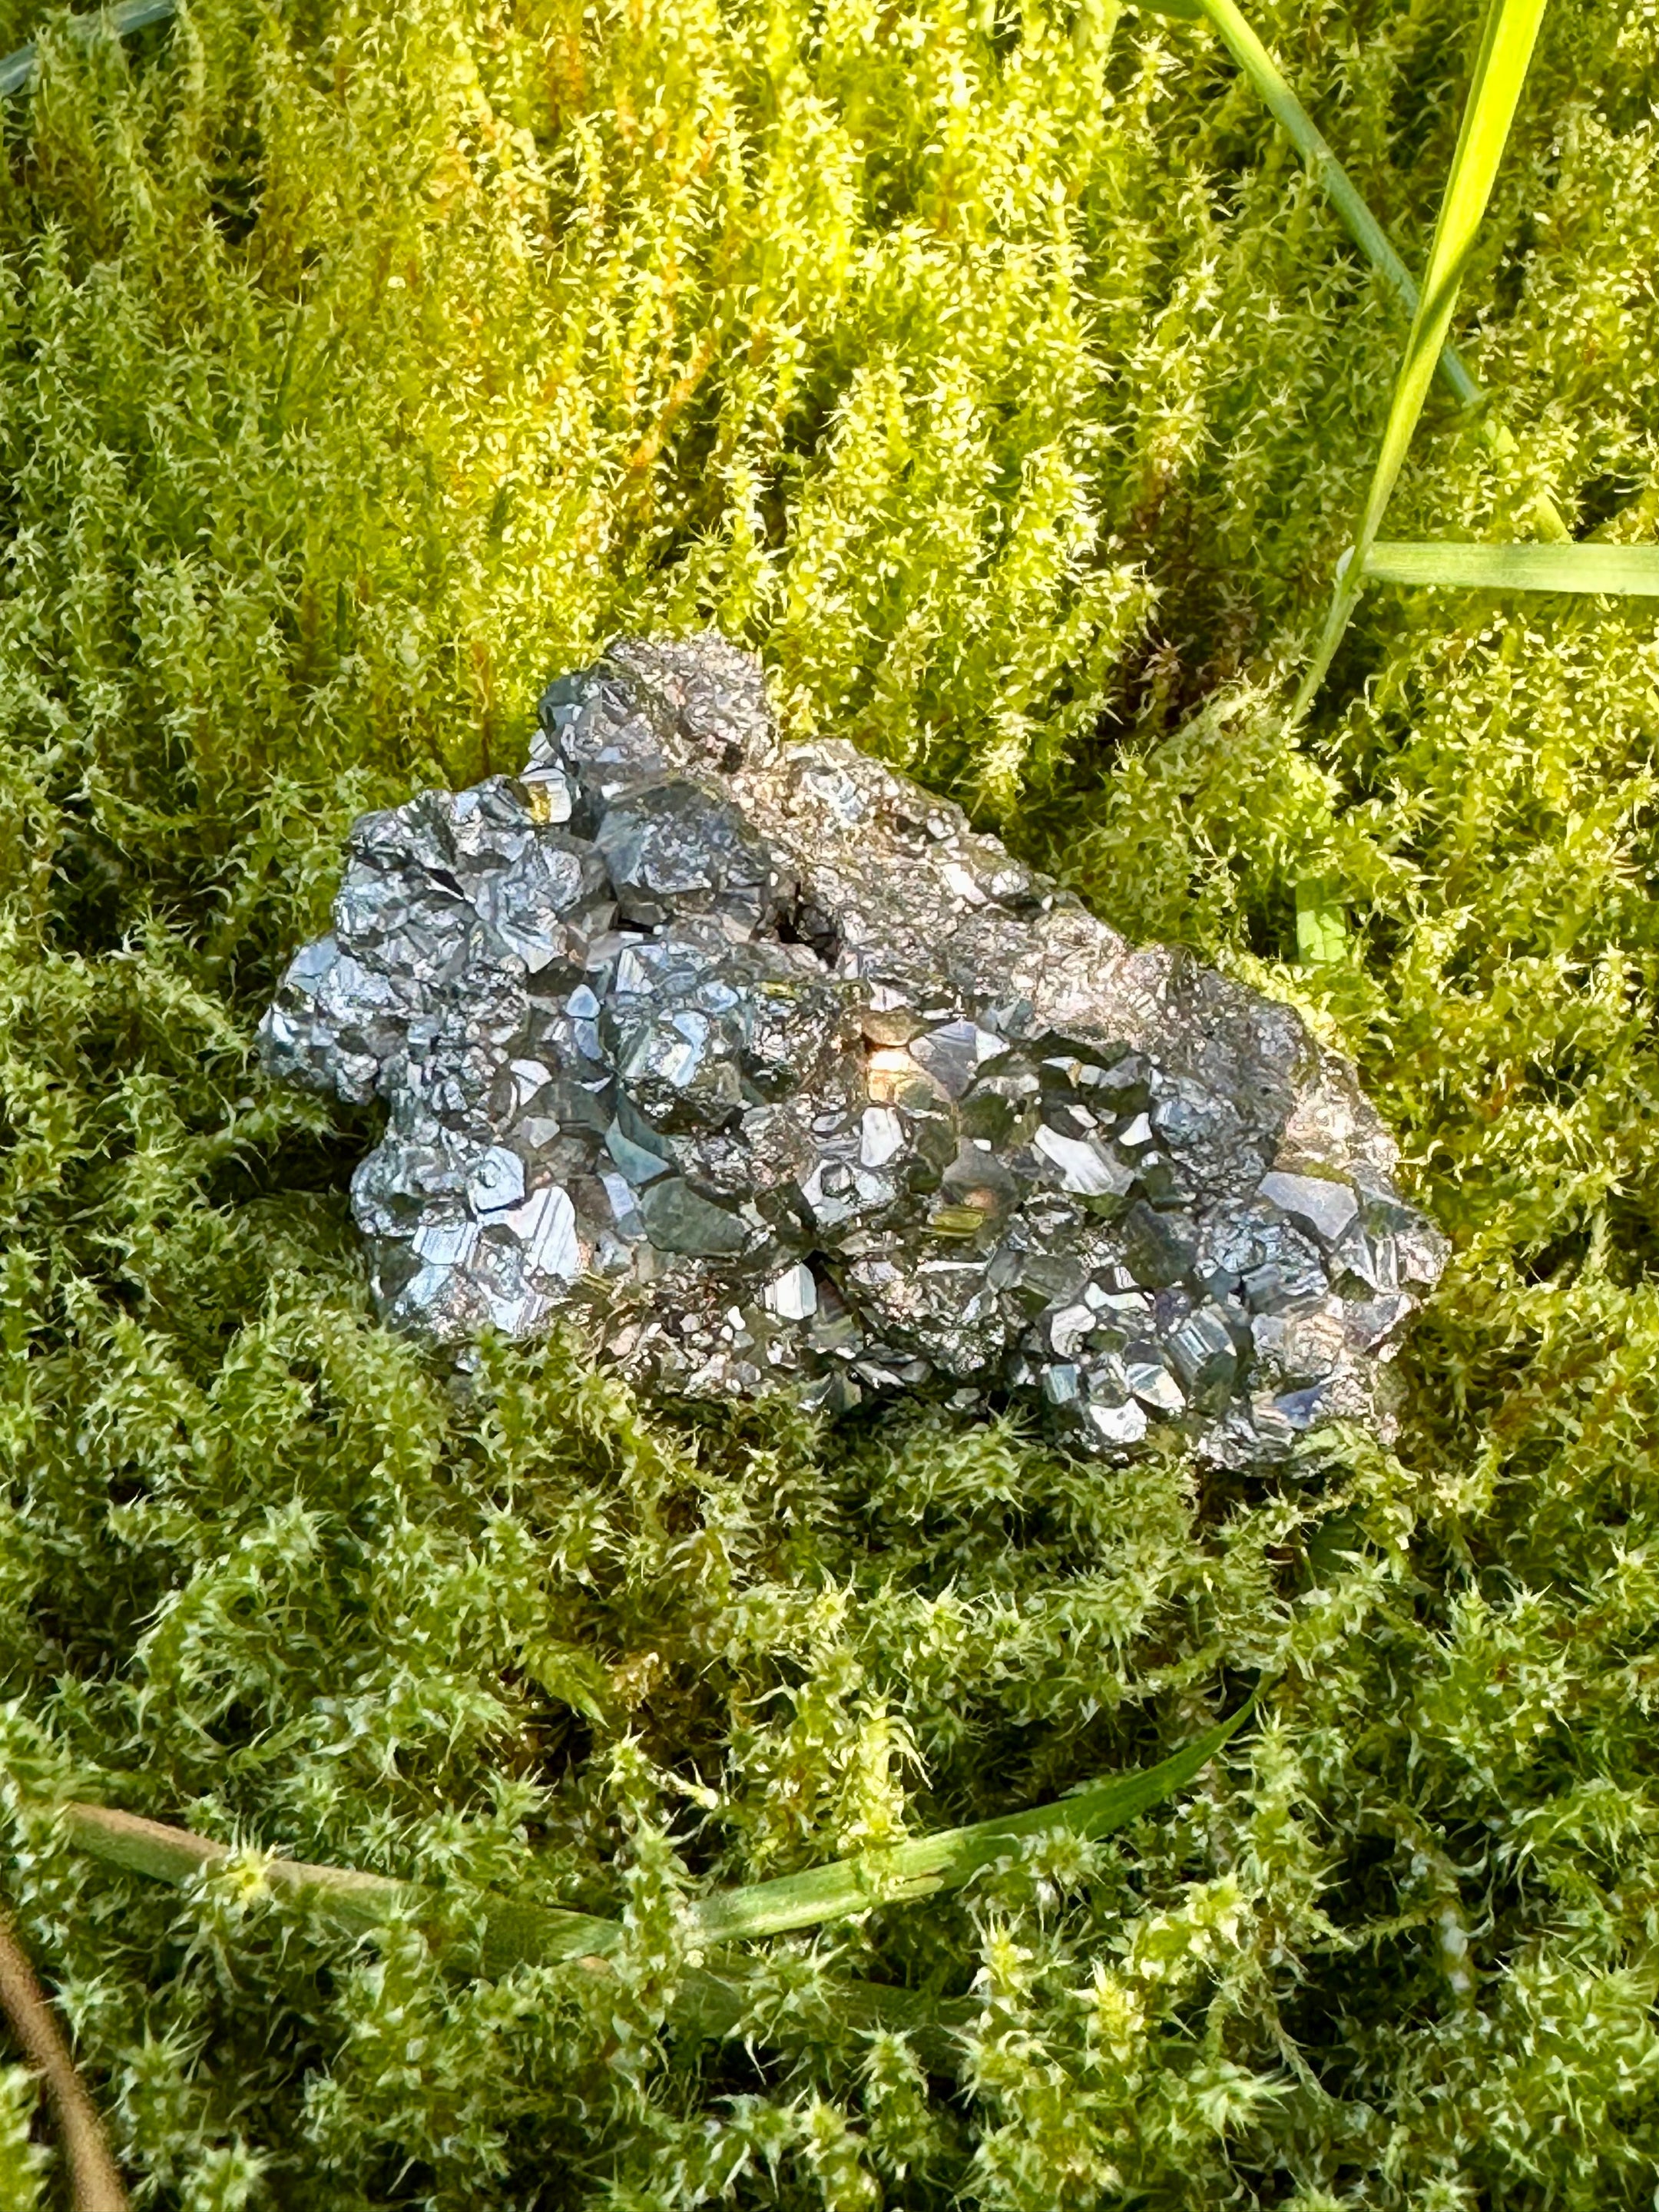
[{"x": 757, "y": 1062}]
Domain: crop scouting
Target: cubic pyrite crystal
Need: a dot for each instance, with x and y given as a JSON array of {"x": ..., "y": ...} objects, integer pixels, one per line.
[{"x": 757, "y": 1062}]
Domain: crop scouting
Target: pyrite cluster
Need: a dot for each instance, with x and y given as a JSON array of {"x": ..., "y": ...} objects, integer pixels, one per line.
[{"x": 757, "y": 1062}]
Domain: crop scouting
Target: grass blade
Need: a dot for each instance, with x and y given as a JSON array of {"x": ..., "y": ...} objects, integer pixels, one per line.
[
  {"x": 1264, "y": 73},
  {"x": 1345, "y": 196},
  {"x": 348, "y": 1898},
  {"x": 1619, "y": 571},
  {"x": 17, "y": 69},
  {"x": 518, "y": 1932},
  {"x": 949, "y": 1859},
  {"x": 1511, "y": 32}
]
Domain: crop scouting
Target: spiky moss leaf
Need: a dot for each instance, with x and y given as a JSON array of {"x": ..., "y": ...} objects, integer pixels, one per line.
[{"x": 1006, "y": 382}]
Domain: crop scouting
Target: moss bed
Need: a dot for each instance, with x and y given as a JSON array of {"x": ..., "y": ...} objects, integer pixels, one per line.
[{"x": 999, "y": 375}]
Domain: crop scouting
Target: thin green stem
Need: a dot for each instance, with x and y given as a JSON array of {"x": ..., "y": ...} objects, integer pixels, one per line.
[
  {"x": 1507, "y": 41},
  {"x": 516, "y": 1933},
  {"x": 707, "y": 2004},
  {"x": 1344, "y": 195},
  {"x": 345, "y": 1897},
  {"x": 950, "y": 1858}
]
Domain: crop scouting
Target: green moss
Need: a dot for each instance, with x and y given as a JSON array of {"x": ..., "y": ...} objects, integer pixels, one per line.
[{"x": 997, "y": 373}]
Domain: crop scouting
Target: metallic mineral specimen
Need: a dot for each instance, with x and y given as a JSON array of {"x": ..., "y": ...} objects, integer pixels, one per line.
[{"x": 757, "y": 1062}]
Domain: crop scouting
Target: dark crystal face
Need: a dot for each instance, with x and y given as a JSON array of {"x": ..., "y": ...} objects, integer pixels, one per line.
[{"x": 759, "y": 1065}]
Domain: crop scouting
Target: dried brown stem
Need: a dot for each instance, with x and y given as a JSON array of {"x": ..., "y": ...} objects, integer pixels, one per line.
[{"x": 96, "y": 2185}]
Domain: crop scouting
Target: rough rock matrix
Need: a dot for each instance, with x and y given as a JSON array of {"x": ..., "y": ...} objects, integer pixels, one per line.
[{"x": 757, "y": 1061}]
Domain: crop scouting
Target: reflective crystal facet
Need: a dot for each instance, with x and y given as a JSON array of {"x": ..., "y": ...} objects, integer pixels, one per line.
[{"x": 759, "y": 1065}]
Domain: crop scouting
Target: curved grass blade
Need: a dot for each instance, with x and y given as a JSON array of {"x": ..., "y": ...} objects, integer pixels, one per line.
[
  {"x": 1264, "y": 74},
  {"x": 1241, "y": 42},
  {"x": 515, "y": 1933},
  {"x": 949, "y": 1859},
  {"x": 343, "y": 1896},
  {"x": 1511, "y": 32},
  {"x": 1618, "y": 571},
  {"x": 520, "y": 1932},
  {"x": 708, "y": 2004},
  {"x": 17, "y": 69}
]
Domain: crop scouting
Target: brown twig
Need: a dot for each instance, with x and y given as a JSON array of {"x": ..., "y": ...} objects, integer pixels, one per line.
[{"x": 96, "y": 2185}]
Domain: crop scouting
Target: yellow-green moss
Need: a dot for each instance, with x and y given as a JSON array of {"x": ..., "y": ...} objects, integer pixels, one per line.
[{"x": 998, "y": 374}]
